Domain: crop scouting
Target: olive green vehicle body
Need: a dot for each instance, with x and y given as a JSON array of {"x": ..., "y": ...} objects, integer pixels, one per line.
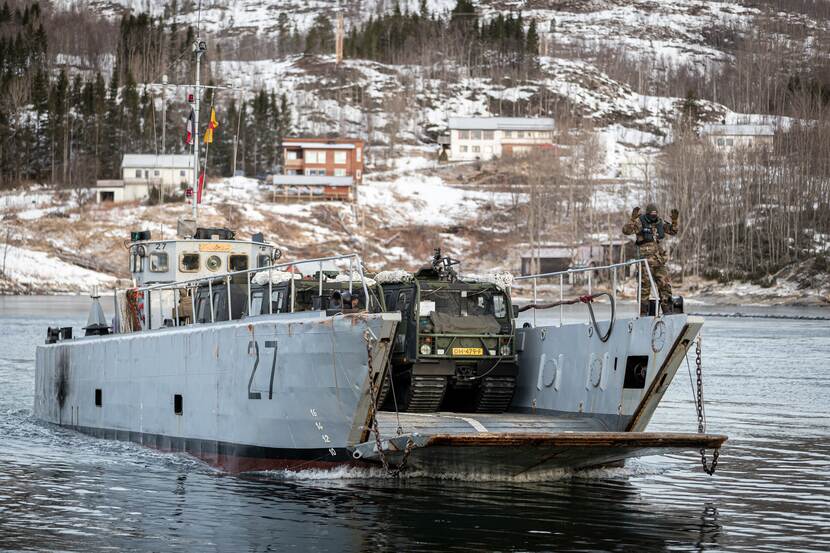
[{"x": 460, "y": 331}]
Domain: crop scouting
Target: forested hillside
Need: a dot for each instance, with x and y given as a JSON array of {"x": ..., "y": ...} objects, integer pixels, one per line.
[{"x": 630, "y": 83}]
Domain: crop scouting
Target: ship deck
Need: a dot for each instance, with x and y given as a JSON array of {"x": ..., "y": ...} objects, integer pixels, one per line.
[{"x": 479, "y": 423}]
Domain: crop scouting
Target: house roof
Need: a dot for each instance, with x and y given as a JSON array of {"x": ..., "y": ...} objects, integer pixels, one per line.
[
  {"x": 556, "y": 252},
  {"x": 312, "y": 180},
  {"x": 318, "y": 145},
  {"x": 737, "y": 130},
  {"x": 502, "y": 123},
  {"x": 167, "y": 161}
]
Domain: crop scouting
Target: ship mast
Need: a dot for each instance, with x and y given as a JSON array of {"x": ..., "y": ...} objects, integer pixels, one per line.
[{"x": 199, "y": 47}]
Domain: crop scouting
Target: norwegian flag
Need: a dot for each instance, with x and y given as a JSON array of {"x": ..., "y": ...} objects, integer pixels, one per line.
[{"x": 188, "y": 137}]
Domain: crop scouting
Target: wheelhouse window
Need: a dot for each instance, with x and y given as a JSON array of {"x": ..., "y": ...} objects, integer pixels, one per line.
[
  {"x": 189, "y": 262},
  {"x": 158, "y": 262},
  {"x": 238, "y": 262},
  {"x": 136, "y": 262}
]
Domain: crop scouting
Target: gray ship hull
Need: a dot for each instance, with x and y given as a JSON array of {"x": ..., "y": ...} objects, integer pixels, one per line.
[
  {"x": 275, "y": 391},
  {"x": 293, "y": 392}
]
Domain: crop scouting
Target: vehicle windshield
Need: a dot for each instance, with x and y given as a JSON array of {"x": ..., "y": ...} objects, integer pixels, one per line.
[{"x": 463, "y": 303}]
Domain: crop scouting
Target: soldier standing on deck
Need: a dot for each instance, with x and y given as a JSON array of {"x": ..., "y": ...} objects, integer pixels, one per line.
[{"x": 651, "y": 230}]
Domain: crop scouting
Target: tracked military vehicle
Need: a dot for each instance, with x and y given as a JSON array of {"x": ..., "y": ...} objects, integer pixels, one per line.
[{"x": 454, "y": 347}]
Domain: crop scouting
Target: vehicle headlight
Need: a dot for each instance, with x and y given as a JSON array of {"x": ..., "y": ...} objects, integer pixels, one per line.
[
  {"x": 505, "y": 349},
  {"x": 426, "y": 349}
]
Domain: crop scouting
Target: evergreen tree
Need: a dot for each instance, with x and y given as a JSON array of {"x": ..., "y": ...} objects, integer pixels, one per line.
[
  {"x": 320, "y": 37},
  {"x": 532, "y": 39}
]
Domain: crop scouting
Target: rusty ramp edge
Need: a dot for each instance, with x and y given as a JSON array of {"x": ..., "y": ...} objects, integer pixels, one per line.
[
  {"x": 512, "y": 454},
  {"x": 579, "y": 439}
]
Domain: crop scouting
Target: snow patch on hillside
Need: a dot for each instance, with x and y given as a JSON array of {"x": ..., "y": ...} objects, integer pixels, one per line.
[{"x": 29, "y": 269}]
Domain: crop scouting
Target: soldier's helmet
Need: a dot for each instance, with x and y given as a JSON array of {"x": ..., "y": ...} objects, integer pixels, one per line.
[{"x": 651, "y": 208}]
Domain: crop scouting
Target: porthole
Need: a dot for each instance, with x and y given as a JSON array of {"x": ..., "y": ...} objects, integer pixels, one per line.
[{"x": 213, "y": 263}]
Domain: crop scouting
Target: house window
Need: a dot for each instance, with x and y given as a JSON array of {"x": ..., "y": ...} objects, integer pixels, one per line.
[
  {"x": 729, "y": 142},
  {"x": 488, "y": 135},
  {"x": 508, "y": 134},
  {"x": 340, "y": 173},
  {"x": 720, "y": 141},
  {"x": 156, "y": 173},
  {"x": 357, "y": 154},
  {"x": 189, "y": 262},
  {"x": 158, "y": 262},
  {"x": 182, "y": 173},
  {"x": 340, "y": 158},
  {"x": 476, "y": 149},
  {"x": 292, "y": 155},
  {"x": 463, "y": 135},
  {"x": 475, "y": 135},
  {"x": 138, "y": 173},
  {"x": 463, "y": 149},
  {"x": 315, "y": 156},
  {"x": 315, "y": 172}
]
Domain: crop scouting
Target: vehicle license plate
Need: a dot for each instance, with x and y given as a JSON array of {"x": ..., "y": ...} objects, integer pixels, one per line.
[{"x": 467, "y": 351}]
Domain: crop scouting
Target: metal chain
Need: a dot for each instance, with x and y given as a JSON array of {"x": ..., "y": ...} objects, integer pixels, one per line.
[
  {"x": 701, "y": 416},
  {"x": 373, "y": 422}
]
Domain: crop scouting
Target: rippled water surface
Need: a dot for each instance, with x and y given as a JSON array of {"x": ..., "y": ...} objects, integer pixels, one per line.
[{"x": 766, "y": 384}]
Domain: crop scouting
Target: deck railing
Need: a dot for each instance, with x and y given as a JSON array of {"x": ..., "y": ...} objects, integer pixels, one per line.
[
  {"x": 355, "y": 267},
  {"x": 641, "y": 265}
]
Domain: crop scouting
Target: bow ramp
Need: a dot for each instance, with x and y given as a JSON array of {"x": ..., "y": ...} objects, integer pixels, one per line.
[
  {"x": 516, "y": 444},
  {"x": 580, "y": 402}
]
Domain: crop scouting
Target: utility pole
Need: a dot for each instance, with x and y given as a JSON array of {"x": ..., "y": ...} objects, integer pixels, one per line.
[
  {"x": 163, "y": 130},
  {"x": 338, "y": 45}
]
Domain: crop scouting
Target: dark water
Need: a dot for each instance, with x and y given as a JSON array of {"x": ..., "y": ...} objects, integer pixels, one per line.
[{"x": 767, "y": 385}]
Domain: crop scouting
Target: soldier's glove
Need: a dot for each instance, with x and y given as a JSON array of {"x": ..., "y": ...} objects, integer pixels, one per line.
[
  {"x": 635, "y": 213},
  {"x": 675, "y": 215}
]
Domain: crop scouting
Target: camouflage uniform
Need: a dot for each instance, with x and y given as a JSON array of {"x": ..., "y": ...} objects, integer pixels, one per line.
[{"x": 649, "y": 236}]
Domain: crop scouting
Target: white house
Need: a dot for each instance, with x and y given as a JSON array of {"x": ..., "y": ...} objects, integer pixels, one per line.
[
  {"x": 485, "y": 138},
  {"x": 728, "y": 137},
  {"x": 140, "y": 172}
]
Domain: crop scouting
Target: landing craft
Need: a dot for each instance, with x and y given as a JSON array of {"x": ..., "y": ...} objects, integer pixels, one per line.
[{"x": 260, "y": 368}]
